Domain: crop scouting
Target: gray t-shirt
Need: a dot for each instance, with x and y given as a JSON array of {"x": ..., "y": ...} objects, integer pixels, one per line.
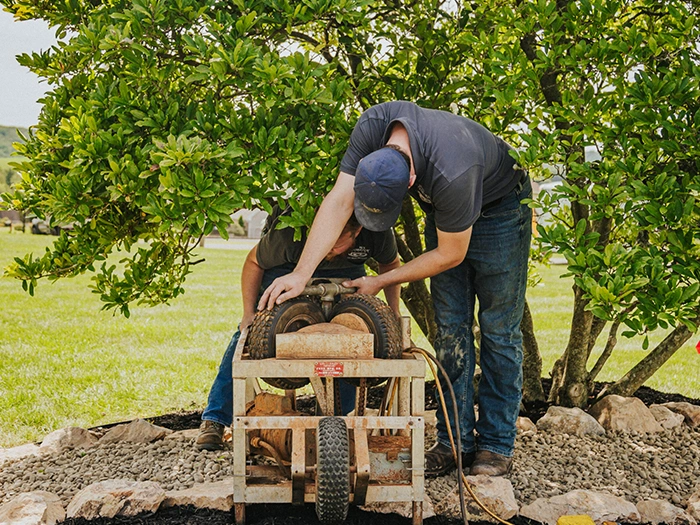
[
  {"x": 278, "y": 247},
  {"x": 460, "y": 165}
]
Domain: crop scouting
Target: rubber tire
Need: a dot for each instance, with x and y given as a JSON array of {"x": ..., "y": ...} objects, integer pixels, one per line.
[
  {"x": 286, "y": 317},
  {"x": 380, "y": 320},
  {"x": 332, "y": 470}
]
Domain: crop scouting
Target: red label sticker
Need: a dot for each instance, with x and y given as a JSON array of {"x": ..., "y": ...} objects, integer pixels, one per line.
[
  {"x": 327, "y": 369},
  {"x": 697, "y": 347}
]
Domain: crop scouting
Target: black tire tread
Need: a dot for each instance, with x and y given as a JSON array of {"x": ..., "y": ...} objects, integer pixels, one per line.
[
  {"x": 332, "y": 470},
  {"x": 257, "y": 342},
  {"x": 387, "y": 345}
]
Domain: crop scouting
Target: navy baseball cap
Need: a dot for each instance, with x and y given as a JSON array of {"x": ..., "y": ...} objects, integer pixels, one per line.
[{"x": 381, "y": 182}]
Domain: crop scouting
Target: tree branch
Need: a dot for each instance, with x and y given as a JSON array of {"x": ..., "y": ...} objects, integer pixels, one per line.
[{"x": 607, "y": 352}]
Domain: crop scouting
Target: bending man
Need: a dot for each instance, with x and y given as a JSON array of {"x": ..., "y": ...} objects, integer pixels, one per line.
[{"x": 477, "y": 235}]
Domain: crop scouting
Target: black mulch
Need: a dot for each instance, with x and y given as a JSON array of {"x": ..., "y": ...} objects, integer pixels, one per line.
[
  {"x": 265, "y": 515},
  {"x": 299, "y": 515},
  {"x": 191, "y": 419}
]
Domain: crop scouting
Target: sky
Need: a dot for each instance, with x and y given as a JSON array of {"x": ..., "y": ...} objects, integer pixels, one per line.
[{"x": 19, "y": 88}]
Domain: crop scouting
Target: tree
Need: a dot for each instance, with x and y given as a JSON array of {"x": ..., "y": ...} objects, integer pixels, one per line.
[
  {"x": 167, "y": 116},
  {"x": 164, "y": 118},
  {"x": 631, "y": 232}
]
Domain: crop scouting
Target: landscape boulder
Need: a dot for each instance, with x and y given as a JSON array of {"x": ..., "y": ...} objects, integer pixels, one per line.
[
  {"x": 572, "y": 421},
  {"x": 690, "y": 412},
  {"x": 496, "y": 493},
  {"x": 625, "y": 414},
  {"x": 33, "y": 508},
  {"x": 666, "y": 417},
  {"x": 599, "y": 506},
  {"x": 67, "y": 439},
  {"x": 657, "y": 511},
  {"x": 217, "y": 496},
  {"x": 116, "y": 497},
  {"x": 190, "y": 433},
  {"x": 22, "y": 451},
  {"x": 525, "y": 424},
  {"x": 138, "y": 431},
  {"x": 694, "y": 505}
]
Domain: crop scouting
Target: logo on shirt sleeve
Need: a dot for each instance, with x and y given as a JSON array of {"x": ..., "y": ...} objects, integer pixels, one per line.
[{"x": 423, "y": 195}]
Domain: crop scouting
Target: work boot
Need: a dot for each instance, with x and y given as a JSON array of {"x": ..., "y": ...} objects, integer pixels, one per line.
[
  {"x": 439, "y": 460},
  {"x": 489, "y": 463},
  {"x": 211, "y": 436}
]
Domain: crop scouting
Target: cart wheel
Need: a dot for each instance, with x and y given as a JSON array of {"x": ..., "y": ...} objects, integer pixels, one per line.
[
  {"x": 286, "y": 317},
  {"x": 332, "y": 470},
  {"x": 380, "y": 320}
]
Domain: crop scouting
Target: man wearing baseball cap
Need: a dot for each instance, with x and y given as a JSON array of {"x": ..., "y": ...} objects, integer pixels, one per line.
[{"x": 477, "y": 236}]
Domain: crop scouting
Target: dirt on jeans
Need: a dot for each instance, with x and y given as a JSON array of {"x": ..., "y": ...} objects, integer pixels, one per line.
[{"x": 269, "y": 514}]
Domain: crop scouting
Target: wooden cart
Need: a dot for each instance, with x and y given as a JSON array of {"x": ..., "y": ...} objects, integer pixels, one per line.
[{"x": 386, "y": 453}]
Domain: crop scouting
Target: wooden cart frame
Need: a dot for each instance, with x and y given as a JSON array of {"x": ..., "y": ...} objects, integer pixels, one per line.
[{"x": 257, "y": 484}]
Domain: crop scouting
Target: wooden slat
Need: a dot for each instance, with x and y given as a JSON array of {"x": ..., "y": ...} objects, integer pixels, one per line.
[
  {"x": 410, "y": 367},
  {"x": 364, "y": 422},
  {"x": 297, "y": 345},
  {"x": 298, "y": 465}
]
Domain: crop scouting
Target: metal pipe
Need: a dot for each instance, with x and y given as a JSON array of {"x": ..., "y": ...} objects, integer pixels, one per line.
[{"x": 259, "y": 443}]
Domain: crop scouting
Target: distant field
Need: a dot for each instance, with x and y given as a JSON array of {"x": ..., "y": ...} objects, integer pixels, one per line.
[
  {"x": 8, "y": 135},
  {"x": 5, "y": 162},
  {"x": 4, "y": 168},
  {"x": 64, "y": 362}
]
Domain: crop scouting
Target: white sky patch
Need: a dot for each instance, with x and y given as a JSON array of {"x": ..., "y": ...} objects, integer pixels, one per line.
[{"x": 19, "y": 88}]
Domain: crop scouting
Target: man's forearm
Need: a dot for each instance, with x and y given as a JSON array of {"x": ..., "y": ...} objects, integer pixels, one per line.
[
  {"x": 251, "y": 279},
  {"x": 330, "y": 219},
  {"x": 426, "y": 265},
  {"x": 392, "y": 293}
]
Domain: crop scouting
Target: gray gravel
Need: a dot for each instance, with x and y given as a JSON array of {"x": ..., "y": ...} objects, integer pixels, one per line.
[
  {"x": 635, "y": 467},
  {"x": 632, "y": 466},
  {"x": 173, "y": 463}
]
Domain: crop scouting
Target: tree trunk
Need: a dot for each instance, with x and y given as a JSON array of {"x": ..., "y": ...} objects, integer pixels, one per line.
[
  {"x": 532, "y": 360},
  {"x": 570, "y": 381},
  {"x": 647, "y": 367},
  {"x": 417, "y": 299},
  {"x": 415, "y": 295}
]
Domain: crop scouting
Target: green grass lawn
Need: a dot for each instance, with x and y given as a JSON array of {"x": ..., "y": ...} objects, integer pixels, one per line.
[{"x": 63, "y": 362}]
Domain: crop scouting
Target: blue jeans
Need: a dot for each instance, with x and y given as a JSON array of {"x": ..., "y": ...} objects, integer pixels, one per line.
[
  {"x": 220, "y": 402},
  {"x": 494, "y": 271}
]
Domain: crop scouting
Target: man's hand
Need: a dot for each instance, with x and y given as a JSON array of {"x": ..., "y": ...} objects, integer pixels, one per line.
[
  {"x": 283, "y": 288},
  {"x": 366, "y": 285}
]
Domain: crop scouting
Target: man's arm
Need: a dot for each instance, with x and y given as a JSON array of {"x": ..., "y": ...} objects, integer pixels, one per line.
[
  {"x": 330, "y": 219},
  {"x": 392, "y": 293},
  {"x": 251, "y": 279},
  {"x": 450, "y": 251}
]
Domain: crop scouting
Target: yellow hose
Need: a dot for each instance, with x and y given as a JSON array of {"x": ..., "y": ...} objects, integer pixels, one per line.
[{"x": 430, "y": 360}]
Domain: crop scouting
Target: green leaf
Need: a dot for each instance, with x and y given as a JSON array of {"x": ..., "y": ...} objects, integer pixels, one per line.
[{"x": 580, "y": 229}]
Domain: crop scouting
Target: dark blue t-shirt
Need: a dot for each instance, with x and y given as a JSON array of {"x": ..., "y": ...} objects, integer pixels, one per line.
[{"x": 460, "y": 165}]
